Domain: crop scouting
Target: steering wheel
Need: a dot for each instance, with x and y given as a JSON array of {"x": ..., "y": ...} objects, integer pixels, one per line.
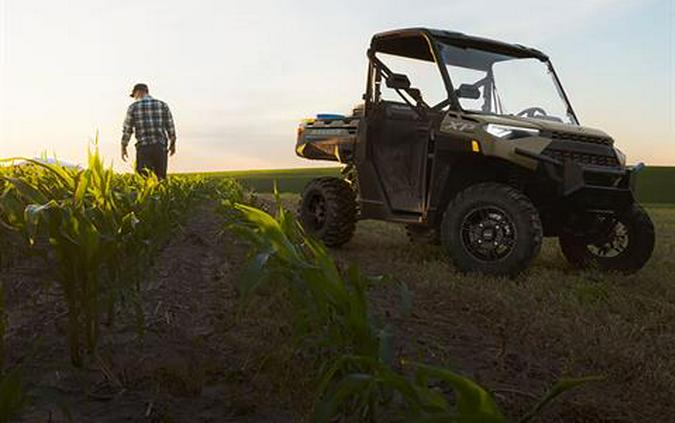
[{"x": 532, "y": 111}]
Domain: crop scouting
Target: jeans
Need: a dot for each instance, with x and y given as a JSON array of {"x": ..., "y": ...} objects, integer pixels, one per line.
[{"x": 151, "y": 158}]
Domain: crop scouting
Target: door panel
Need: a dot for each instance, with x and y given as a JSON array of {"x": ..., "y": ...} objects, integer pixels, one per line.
[{"x": 399, "y": 150}]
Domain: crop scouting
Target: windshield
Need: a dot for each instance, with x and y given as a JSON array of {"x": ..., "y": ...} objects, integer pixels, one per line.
[{"x": 488, "y": 82}]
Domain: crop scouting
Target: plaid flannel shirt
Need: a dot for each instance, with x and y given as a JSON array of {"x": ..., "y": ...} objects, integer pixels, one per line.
[{"x": 152, "y": 122}]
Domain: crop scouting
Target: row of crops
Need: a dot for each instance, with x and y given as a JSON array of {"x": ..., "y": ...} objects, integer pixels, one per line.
[{"x": 100, "y": 231}]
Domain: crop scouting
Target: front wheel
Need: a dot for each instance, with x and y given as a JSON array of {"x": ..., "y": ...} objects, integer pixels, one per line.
[
  {"x": 622, "y": 243},
  {"x": 493, "y": 229},
  {"x": 328, "y": 210}
]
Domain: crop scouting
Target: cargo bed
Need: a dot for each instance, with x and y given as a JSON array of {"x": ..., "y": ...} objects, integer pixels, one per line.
[{"x": 331, "y": 139}]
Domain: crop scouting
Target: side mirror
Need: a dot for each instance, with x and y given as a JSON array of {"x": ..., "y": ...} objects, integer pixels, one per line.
[
  {"x": 468, "y": 91},
  {"x": 398, "y": 81}
]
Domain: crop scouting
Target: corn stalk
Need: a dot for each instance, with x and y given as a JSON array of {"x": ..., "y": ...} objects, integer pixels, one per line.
[
  {"x": 102, "y": 228},
  {"x": 359, "y": 378}
]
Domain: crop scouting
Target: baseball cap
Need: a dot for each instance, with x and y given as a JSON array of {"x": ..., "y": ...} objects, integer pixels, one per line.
[{"x": 137, "y": 87}]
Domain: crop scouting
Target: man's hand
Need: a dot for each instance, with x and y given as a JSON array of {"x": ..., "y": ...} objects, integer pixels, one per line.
[
  {"x": 124, "y": 153},
  {"x": 172, "y": 148}
]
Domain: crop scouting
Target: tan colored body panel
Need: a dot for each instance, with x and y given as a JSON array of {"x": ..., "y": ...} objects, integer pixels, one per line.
[{"x": 492, "y": 146}]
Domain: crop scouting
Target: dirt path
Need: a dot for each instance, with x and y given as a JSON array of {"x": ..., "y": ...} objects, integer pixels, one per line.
[{"x": 197, "y": 361}]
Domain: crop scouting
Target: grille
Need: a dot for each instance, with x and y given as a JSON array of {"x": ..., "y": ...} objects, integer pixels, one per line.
[
  {"x": 569, "y": 136},
  {"x": 582, "y": 158}
]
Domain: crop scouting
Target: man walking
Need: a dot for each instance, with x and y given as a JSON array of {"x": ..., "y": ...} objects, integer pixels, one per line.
[{"x": 155, "y": 132}]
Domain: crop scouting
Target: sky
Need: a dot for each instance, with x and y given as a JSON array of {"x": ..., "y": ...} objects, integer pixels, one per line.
[{"x": 239, "y": 76}]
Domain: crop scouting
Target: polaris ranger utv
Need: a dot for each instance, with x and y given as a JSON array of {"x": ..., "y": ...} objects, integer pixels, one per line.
[{"x": 474, "y": 143}]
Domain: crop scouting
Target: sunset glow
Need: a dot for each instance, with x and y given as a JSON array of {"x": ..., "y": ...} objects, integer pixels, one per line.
[{"x": 240, "y": 76}]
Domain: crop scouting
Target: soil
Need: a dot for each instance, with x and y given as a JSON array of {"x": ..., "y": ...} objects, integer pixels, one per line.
[
  {"x": 517, "y": 338},
  {"x": 202, "y": 358},
  {"x": 198, "y": 359}
]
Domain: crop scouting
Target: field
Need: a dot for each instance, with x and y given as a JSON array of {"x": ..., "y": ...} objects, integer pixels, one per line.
[
  {"x": 184, "y": 327},
  {"x": 517, "y": 337},
  {"x": 287, "y": 180},
  {"x": 650, "y": 181}
]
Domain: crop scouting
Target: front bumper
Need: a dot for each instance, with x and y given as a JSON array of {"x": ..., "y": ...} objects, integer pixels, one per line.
[{"x": 587, "y": 186}]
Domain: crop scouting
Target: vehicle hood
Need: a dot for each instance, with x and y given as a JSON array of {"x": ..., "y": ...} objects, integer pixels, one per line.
[{"x": 542, "y": 125}]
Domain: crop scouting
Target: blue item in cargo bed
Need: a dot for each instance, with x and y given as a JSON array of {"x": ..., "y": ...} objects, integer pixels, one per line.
[{"x": 329, "y": 116}]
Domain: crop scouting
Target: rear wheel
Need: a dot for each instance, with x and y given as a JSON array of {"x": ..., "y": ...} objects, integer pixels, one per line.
[
  {"x": 328, "y": 210},
  {"x": 493, "y": 229},
  {"x": 619, "y": 243}
]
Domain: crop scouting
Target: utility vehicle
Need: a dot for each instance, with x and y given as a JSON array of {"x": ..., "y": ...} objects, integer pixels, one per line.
[{"x": 473, "y": 143}]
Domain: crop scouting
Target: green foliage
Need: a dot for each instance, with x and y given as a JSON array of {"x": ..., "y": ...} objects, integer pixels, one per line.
[
  {"x": 359, "y": 379},
  {"x": 102, "y": 228},
  {"x": 286, "y": 180},
  {"x": 562, "y": 386},
  {"x": 650, "y": 184},
  {"x": 650, "y": 181},
  {"x": 333, "y": 306}
]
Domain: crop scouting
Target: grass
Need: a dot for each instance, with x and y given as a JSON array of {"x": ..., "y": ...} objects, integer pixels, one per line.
[
  {"x": 361, "y": 376},
  {"x": 288, "y": 180},
  {"x": 552, "y": 321},
  {"x": 650, "y": 182},
  {"x": 518, "y": 337},
  {"x": 651, "y": 185}
]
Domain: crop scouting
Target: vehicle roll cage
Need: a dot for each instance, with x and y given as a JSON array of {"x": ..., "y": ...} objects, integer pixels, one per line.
[
  {"x": 383, "y": 72},
  {"x": 423, "y": 44}
]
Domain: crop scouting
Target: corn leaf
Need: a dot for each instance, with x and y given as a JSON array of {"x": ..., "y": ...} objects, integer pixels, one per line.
[{"x": 560, "y": 387}]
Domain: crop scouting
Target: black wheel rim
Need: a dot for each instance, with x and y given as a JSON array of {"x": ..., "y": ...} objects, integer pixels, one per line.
[
  {"x": 315, "y": 212},
  {"x": 614, "y": 244},
  {"x": 488, "y": 234}
]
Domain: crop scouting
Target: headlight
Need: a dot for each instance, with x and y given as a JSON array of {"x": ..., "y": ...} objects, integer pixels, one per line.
[{"x": 511, "y": 132}]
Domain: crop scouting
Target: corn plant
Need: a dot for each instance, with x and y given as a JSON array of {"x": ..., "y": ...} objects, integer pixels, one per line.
[
  {"x": 359, "y": 379},
  {"x": 332, "y": 310},
  {"x": 75, "y": 210},
  {"x": 103, "y": 229}
]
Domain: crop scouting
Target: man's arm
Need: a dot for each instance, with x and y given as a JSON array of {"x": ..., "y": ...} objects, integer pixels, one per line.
[
  {"x": 127, "y": 130},
  {"x": 170, "y": 130}
]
